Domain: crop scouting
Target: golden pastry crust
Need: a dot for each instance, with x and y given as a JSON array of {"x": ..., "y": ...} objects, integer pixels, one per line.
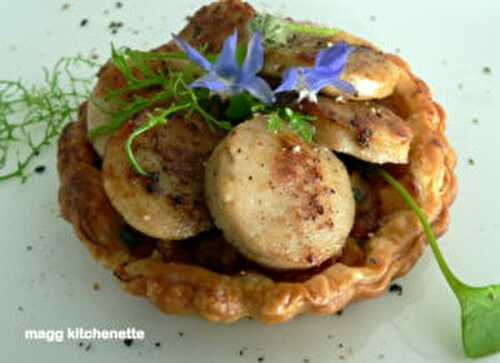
[{"x": 364, "y": 271}]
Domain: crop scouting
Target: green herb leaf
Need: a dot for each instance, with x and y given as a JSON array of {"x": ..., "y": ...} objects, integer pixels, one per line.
[
  {"x": 240, "y": 107},
  {"x": 298, "y": 122},
  {"x": 275, "y": 123},
  {"x": 241, "y": 52},
  {"x": 481, "y": 320},
  {"x": 301, "y": 124},
  {"x": 277, "y": 31},
  {"x": 480, "y": 305}
]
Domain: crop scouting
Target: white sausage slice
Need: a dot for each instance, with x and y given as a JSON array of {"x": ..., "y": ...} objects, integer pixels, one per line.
[
  {"x": 279, "y": 200},
  {"x": 171, "y": 206}
]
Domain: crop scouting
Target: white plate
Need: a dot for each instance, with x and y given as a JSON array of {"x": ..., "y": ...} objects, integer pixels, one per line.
[{"x": 447, "y": 43}]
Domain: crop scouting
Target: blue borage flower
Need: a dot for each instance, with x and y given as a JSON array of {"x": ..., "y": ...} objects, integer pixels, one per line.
[
  {"x": 228, "y": 78},
  {"x": 308, "y": 81}
]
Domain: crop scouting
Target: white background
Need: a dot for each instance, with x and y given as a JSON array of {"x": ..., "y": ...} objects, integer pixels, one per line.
[{"x": 447, "y": 42}]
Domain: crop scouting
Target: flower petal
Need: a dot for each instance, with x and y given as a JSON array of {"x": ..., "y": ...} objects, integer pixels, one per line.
[
  {"x": 192, "y": 53},
  {"x": 258, "y": 88},
  {"x": 343, "y": 86},
  {"x": 334, "y": 57},
  {"x": 289, "y": 80},
  {"x": 317, "y": 80},
  {"x": 226, "y": 64},
  {"x": 210, "y": 81},
  {"x": 254, "y": 60}
]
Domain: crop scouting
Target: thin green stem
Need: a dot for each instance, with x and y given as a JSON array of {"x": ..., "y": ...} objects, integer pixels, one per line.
[
  {"x": 312, "y": 29},
  {"x": 153, "y": 121},
  {"x": 456, "y": 285}
]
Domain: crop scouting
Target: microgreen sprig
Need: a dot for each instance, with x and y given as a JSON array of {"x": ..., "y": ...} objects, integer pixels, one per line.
[
  {"x": 151, "y": 122},
  {"x": 278, "y": 31},
  {"x": 31, "y": 116},
  {"x": 136, "y": 67},
  {"x": 480, "y": 306},
  {"x": 281, "y": 116}
]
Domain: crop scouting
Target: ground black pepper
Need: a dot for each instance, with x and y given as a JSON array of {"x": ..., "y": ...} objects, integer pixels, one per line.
[
  {"x": 114, "y": 26},
  {"x": 40, "y": 169},
  {"x": 475, "y": 121},
  {"x": 29, "y": 248},
  {"x": 340, "y": 312},
  {"x": 84, "y": 22},
  {"x": 260, "y": 359},
  {"x": 486, "y": 70},
  {"x": 471, "y": 161},
  {"x": 181, "y": 333},
  {"x": 157, "y": 344},
  {"x": 118, "y": 5},
  {"x": 128, "y": 342},
  {"x": 396, "y": 288}
]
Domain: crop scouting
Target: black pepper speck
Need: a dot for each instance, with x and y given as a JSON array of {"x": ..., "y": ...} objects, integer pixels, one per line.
[
  {"x": 128, "y": 342},
  {"x": 84, "y": 22},
  {"x": 40, "y": 169},
  {"x": 396, "y": 288}
]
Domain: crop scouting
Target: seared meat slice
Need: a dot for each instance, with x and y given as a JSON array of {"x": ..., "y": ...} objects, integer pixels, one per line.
[
  {"x": 170, "y": 205},
  {"x": 279, "y": 200},
  {"x": 365, "y": 130}
]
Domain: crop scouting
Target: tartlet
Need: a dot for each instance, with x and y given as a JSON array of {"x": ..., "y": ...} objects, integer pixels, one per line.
[{"x": 205, "y": 274}]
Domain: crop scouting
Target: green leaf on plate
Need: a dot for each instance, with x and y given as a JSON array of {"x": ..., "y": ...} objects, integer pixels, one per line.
[
  {"x": 480, "y": 305},
  {"x": 480, "y": 320}
]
